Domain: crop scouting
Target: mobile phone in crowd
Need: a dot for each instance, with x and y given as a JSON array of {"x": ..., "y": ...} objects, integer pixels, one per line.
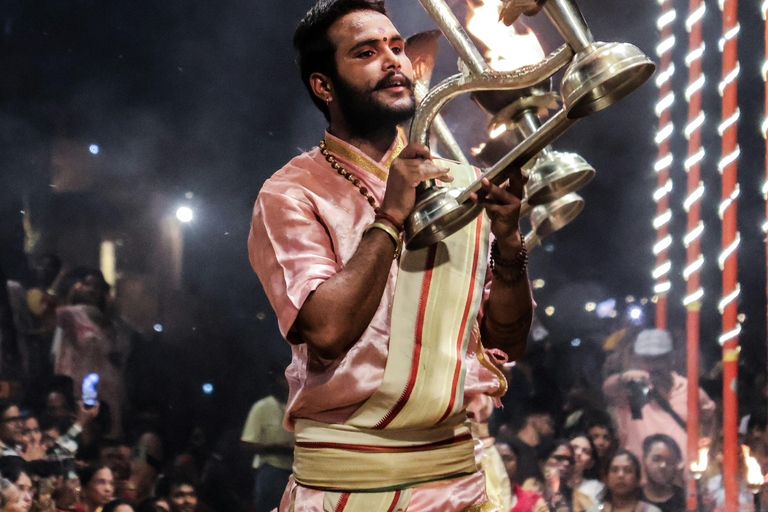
[{"x": 90, "y": 394}]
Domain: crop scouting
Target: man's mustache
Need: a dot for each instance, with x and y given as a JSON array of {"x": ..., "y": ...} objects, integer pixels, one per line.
[{"x": 394, "y": 79}]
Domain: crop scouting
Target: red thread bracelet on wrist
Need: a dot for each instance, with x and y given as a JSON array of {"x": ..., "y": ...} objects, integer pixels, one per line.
[{"x": 387, "y": 217}]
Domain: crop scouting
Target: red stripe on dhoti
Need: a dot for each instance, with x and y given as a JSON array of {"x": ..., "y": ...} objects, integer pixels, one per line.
[
  {"x": 394, "y": 501},
  {"x": 464, "y": 319},
  {"x": 342, "y": 502},
  {"x": 386, "y": 449},
  {"x": 387, "y": 419}
]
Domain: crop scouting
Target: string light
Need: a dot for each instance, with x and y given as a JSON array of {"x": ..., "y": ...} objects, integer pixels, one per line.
[
  {"x": 694, "y": 234},
  {"x": 693, "y": 267},
  {"x": 729, "y": 298},
  {"x": 728, "y": 251},
  {"x": 694, "y": 196},
  {"x": 663, "y": 108},
  {"x": 694, "y": 297}
]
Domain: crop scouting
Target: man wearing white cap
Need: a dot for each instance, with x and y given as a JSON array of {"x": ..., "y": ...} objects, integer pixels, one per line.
[{"x": 651, "y": 398}]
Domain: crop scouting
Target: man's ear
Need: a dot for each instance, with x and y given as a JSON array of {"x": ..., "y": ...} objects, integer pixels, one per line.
[{"x": 321, "y": 86}]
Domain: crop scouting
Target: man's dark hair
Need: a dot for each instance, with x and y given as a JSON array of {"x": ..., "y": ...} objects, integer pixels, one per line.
[
  {"x": 597, "y": 418},
  {"x": 315, "y": 51},
  {"x": 166, "y": 484},
  {"x": 649, "y": 441},
  {"x": 86, "y": 473},
  {"x": 5, "y": 404},
  {"x": 12, "y": 467},
  {"x": 112, "y": 505}
]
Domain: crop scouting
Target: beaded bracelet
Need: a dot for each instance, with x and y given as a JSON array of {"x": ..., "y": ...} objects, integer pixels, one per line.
[{"x": 514, "y": 270}]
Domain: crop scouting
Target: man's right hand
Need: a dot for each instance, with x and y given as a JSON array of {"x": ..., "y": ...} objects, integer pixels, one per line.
[
  {"x": 411, "y": 167},
  {"x": 86, "y": 414}
]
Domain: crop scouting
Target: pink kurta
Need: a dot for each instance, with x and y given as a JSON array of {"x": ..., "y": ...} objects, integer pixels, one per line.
[
  {"x": 307, "y": 223},
  {"x": 655, "y": 420}
]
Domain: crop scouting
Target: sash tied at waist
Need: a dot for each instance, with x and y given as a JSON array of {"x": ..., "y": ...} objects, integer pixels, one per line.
[{"x": 346, "y": 458}]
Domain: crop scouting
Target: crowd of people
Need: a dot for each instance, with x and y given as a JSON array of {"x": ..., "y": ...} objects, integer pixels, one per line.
[{"x": 618, "y": 448}]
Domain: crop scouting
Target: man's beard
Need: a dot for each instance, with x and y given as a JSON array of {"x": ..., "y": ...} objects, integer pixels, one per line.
[{"x": 365, "y": 114}]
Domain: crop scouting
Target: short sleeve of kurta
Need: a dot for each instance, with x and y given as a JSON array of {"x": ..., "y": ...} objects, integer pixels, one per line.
[{"x": 290, "y": 249}]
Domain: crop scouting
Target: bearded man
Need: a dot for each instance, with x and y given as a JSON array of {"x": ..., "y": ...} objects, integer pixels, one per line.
[{"x": 386, "y": 347}]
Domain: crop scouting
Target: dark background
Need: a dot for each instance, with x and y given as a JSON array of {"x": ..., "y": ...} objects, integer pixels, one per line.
[{"x": 204, "y": 97}]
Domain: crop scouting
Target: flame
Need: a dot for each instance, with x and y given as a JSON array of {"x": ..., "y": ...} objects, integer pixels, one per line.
[
  {"x": 479, "y": 149},
  {"x": 754, "y": 473},
  {"x": 701, "y": 465},
  {"x": 507, "y": 49}
]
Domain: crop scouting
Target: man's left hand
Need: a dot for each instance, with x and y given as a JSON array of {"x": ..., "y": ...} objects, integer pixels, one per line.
[{"x": 502, "y": 204}]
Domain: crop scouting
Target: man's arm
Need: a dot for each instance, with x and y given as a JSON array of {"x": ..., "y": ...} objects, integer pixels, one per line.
[
  {"x": 336, "y": 314},
  {"x": 509, "y": 309}
]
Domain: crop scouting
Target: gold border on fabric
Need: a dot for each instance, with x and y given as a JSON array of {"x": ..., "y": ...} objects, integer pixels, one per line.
[
  {"x": 488, "y": 506},
  {"x": 353, "y": 155},
  {"x": 491, "y": 367}
]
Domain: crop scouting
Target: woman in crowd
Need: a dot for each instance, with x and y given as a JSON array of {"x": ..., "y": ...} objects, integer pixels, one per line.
[
  {"x": 14, "y": 469},
  {"x": 117, "y": 506},
  {"x": 622, "y": 489},
  {"x": 556, "y": 468},
  {"x": 97, "y": 488},
  {"x": 584, "y": 476},
  {"x": 598, "y": 424}
]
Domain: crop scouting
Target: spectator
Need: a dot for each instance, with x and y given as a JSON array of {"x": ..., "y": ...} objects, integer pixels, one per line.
[
  {"x": 265, "y": 435},
  {"x": 599, "y": 426},
  {"x": 663, "y": 462},
  {"x": 97, "y": 488},
  {"x": 15, "y": 470},
  {"x": 10, "y": 498},
  {"x": 87, "y": 339},
  {"x": 555, "y": 471},
  {"x": 66, "y": 495},
  {"x": 521, "y": 500},
  {"x": 622, "y": 490},
  {"x": 34, "y": 311},
  {"x": 584, "y": 476},
  {"x": 117, "y": 506},
  {"x": 537, "y": 425},
  {"x": 651, "y": 398},
  {"x": 153, "y": 505},
  {"x": 11, "y": 429},
  {"x": 178, "y": 492},
  {"x": 117, "y": 457},
  {"x": 33, "y": 448}
]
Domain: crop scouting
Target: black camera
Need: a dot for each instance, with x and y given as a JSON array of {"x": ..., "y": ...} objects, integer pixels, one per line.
[{"x": 638, "y": 396}]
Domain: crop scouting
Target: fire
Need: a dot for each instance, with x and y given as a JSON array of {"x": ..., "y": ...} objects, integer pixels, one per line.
[
  {"x": 507, "y": 49},
  {"x": 701, "y": 465},
  {"x": 754, "y": 473},
  {"x": 479, "y": 149}
]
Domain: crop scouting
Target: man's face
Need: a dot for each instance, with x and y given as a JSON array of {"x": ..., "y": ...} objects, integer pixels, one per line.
[
  {"x": 660, "y": 464},
  {"x": 562, "y": 460},
  {"x": 33, "y": 428},
  {"x": 183, "y": 498},
  {"x": 543, "y": 424},
  {"x": 87, "y": 291},
  {"x": 56, "y": 405},
  {"x": 12, "y": 427},
  {"x": 118, "y": 459},
  {"x": 509, "y": 459},
  {"x": 601, "y": 437},
  {"x": 373, "y": 80},
  {"x": 49, "y": 438},
  {"x": 622, "y": 476}
]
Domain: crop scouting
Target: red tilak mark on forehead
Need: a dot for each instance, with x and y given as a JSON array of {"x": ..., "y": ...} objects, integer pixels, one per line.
[{"x": 381, "y": 30}]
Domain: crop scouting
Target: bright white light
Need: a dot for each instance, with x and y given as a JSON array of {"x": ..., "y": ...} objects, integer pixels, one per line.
[
  {"x": 730, "y": 335},
  {"x": 728, "y": 122},
  {"x": 694, "y": 125},
  {"x": 694, "y": 159},
  {"x": 694, "y": 297},
  {"x": 728, "y": 159},
  {"x": 666, "y": 18},
  {"x": 550, "y": 310},
  {"x": 695, "y": 196},
  {"x": 664, "y": 133},
  {"x": 694, "y": 87},
  {"x": 729, "y": 298},
  {"x": 575, "y": 342},
  {"x": 538, "y": 284},
  {"x": 663, "y": 163},
  {"x": 662, "y": 288},
  {"x": 207, "y": 388},
  {"x": 590, "y": 306},
  {"x": 635, "y": 313},
  {"x": 695, "y": 17},
  {"x": 662, "y": 269},
  {"x": 664, "y": 103},
  {"x": 664, "y": 76},
  {"x": 693, "y": 234},
  {"x": 695, "y": 54},
  {"x": 662, "y": 219},
  {"x": 158, "y": 328},
  {"x": 662, "y": 244},
  {"x": 665, "y": 46},
  {"x": 184, "y": 214},
  {"x": 94, "y": 149},
  {"x": 728, "y": 251},
  {"x": 693, "y": 267}
]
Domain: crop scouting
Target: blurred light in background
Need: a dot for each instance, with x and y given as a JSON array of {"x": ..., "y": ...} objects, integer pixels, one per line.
[
  {"x": 158, "y": 328},
  {"x": 184, "y": 214},
  {"x": 207, "y": 388},
  {"x": 606, "y": 309},
  {"x": 94, "y": 149}
]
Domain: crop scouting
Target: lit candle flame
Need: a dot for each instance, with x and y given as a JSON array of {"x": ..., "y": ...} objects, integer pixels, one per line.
[
  {"x": 507, "y": 49},
  {"x": 754, "y": 473},
  {"x": 479, "y": 149},
  {"x": 701, "y": 465}
]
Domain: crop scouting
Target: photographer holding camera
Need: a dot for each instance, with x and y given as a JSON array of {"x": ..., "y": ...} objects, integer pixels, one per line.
[{"x": 651, "y": 398}]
